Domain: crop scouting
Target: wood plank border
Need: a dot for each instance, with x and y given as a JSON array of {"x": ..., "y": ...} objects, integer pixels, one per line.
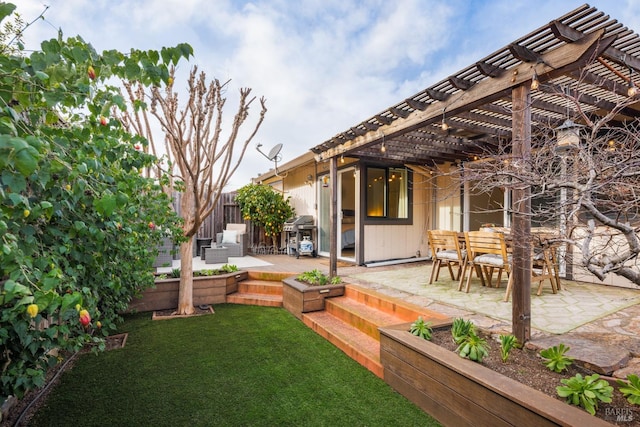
[{"x": 459, "y": 392}]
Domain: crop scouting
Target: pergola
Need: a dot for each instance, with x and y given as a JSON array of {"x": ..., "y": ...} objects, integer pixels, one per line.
[{"x": 498, "y": 100}]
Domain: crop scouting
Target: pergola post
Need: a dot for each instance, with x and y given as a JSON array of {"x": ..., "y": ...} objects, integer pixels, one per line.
[
  {"x": 521, "y": 226},
  {"x": 333, "y": 217}
]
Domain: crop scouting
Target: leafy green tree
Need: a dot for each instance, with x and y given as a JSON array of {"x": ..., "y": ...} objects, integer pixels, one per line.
[
  {"x": 79, "y": 223},
  {"x": 265, "y": 207}
]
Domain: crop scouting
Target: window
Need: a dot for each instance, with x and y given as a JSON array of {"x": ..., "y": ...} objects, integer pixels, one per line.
[{"x": 387, "y": 193}]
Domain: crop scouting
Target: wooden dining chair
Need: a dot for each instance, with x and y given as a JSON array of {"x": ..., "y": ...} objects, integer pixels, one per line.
[
  {"x": 446, "y": 250},
  {"x": 543, "y": 268},
  {"x": 486, "y": 252}
]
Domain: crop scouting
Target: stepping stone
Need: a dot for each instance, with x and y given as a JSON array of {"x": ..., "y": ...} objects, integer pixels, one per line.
[
  {"x": 633, "y": 367},
  {"x": 600, "y": 357}
]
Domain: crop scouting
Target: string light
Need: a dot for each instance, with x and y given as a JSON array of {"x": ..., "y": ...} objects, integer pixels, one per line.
[
  {"x": 535, "y": 83},
  {"x": 444, "y": 125},
  {"x": 633, "y": 90}
]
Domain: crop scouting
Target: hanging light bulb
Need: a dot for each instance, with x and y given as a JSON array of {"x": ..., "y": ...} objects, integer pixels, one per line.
[
  {"x": 535, "y": 83},
  {"x": 383, "y": 149},
  {"x": 444, "y": 125},
  {"x": 633, "y": 90},
  {"x": 342, "y": 158}
]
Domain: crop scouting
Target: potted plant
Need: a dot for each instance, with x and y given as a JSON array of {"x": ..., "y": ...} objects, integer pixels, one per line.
[{"x": 307, "y": 291}]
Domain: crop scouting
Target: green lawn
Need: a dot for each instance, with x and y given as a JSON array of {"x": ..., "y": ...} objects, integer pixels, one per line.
[{"x": 242, "y": 366}]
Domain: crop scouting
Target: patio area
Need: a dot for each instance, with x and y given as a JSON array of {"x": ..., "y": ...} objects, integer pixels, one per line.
[{"x": 589, "y": 318}]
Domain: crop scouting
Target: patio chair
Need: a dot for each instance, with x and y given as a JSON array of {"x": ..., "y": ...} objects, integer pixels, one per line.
[
  {"x": 235, "y": 238},
  {"x": 445, "y": 250},
  {"x": 487, "y": 251}
]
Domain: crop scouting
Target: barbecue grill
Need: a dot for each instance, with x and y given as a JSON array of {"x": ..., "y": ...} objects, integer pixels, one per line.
[{"x": 300, "y": 230}]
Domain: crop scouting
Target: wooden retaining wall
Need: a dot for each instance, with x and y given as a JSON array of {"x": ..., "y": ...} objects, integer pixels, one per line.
[{"x": 459, "y": 392}]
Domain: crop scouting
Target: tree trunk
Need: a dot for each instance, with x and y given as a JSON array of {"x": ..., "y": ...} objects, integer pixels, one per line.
[{"x": 185, "y": 292}]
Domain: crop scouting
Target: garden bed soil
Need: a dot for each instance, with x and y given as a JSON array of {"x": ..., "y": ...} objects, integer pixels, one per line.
[{"x": 526, "y": 366}]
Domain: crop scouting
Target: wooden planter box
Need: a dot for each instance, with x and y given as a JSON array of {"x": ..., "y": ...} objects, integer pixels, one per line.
[
  {"x": 298, "y": 297},
  {"x": 459, "y": 392},
  {"x": 206, "y": 290}
]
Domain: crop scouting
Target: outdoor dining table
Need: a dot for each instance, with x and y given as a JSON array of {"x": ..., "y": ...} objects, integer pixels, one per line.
[{"x": 544, "y": 255}]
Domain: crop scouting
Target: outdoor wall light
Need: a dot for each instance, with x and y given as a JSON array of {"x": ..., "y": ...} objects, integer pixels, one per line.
[{"x": 309, "y": 180}]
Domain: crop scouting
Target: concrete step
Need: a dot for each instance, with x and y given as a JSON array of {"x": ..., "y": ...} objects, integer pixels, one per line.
[
  {"x": 359, "y": 346},
  {"x": 254, "y": 286},
  {"x": 264, "y": 300}
]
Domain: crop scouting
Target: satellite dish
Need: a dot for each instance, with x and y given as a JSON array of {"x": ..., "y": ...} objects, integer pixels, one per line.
[{"x": 274, "y": 152}]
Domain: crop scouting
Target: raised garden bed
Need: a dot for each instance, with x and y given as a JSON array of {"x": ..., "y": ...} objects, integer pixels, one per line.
[
  {"x": 206, "y": 290},
  {"x": 459, "y": 392},
  {"x": 299, "y": 297}
]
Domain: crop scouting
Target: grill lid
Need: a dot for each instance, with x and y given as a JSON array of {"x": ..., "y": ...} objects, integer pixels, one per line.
[{"x": 298, "y": 222}]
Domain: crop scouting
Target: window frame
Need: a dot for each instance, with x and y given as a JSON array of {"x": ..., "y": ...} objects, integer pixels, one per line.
[{"x": 385, "y": 220}]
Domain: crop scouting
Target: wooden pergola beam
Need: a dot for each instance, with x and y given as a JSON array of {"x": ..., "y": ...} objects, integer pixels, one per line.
[
  {"x": 569, "y": 35},
  {"x": 416, "y": 105},
  {"x": 399, "y": 112},
  {"x": 556, "y": 63},
  {"x": 438, "y": 95},
  {"x": 489, "y": 70}
]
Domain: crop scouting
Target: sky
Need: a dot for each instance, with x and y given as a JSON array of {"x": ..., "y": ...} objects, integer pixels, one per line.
[{"x": 322, "y": 65}]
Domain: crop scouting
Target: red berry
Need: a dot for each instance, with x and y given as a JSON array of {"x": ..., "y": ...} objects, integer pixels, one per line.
[{"x": 91, "y": 72}]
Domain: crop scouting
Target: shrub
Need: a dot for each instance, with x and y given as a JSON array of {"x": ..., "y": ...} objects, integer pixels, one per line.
[
  {"x": 229, "y": 268},
  {"x": 473, "y": 347},
  {"x": 555, "y": 359},
  {"x": 316, "y": 278},
  {"x": 630, "y": 389},
  {"x": 422, "y": 329},
  {"x": 585, "y": 392},
  {"x": 461, "y": 328},
  {"x": 80, "y": 223},
  {"x": 507, "y": 342}
]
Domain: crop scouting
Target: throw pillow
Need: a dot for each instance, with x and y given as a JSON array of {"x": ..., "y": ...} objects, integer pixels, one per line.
[{"x": 229, "y": 236}]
